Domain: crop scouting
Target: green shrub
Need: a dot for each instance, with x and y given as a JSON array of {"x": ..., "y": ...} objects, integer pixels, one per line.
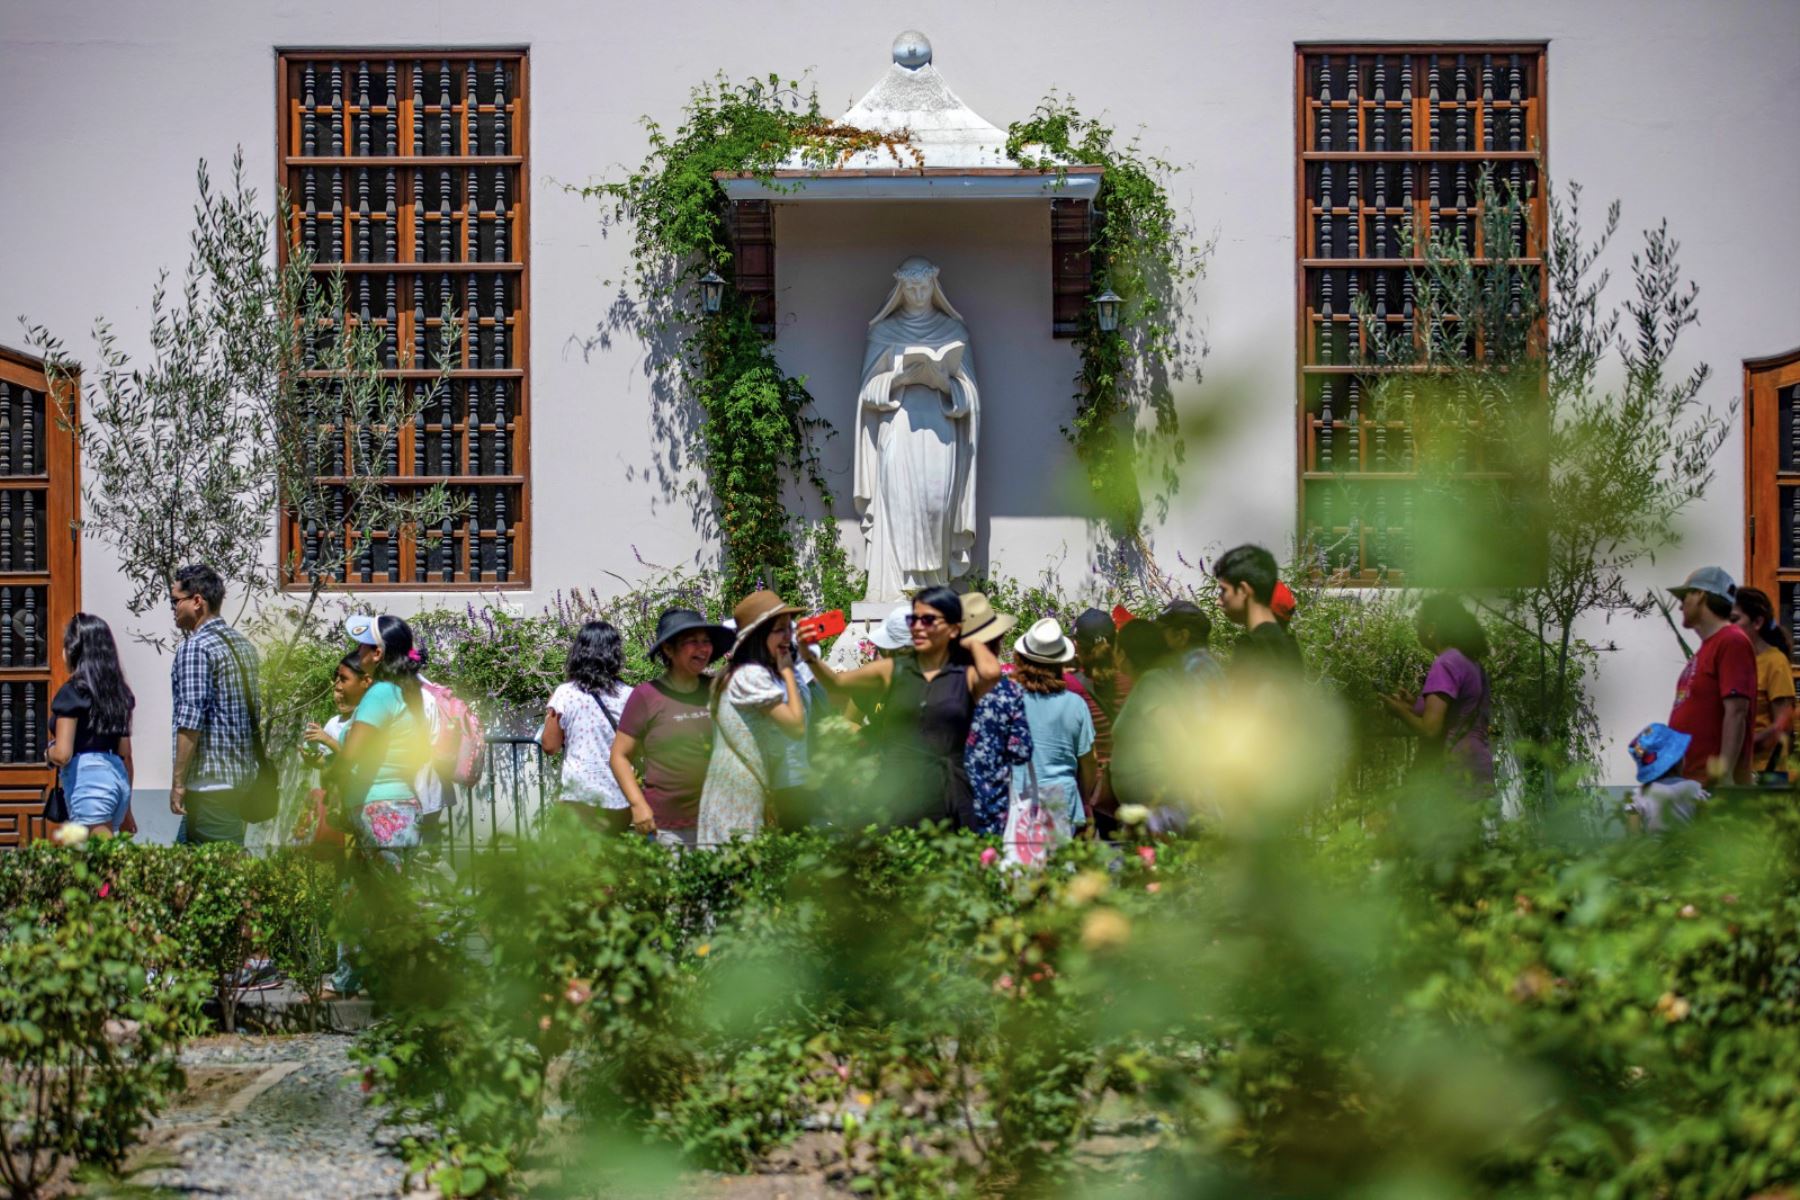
[
  {"x": 88, "y": 1037},
  {"x": 205, "y": 910},
  {"x": 298, "y": 924}
]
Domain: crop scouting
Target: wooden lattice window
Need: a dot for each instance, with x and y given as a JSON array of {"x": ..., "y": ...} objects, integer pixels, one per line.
[
  {"x": 1772, "y": 481},
  {"x": 40, "y": 576},
  {"x": 409, "y": 173},
  {"x": 1392, "y": 143}
]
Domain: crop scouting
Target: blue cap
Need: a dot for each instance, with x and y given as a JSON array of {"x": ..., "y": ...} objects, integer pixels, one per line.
[
  {"x": 1657, "y": 751},
  {"x": 364, "y": 629}
]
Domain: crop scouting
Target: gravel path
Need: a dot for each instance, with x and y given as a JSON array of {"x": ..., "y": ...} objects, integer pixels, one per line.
[
  {"x": 270, "y": 1117},
  {"x": 274, "y": 1118}
]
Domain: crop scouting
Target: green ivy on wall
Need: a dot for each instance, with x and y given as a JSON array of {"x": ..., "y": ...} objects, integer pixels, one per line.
[
  {"x": 1147, "y": 256},
  {"x": 756, "y": 431}
]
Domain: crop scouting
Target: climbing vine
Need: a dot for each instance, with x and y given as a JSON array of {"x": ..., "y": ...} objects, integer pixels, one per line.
[
  {"x": 756, "y": 429},
  {"x": 1147, "y": 255}
]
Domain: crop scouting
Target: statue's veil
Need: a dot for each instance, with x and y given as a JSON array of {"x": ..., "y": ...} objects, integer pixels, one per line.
[{"x": 914, "y": 268}]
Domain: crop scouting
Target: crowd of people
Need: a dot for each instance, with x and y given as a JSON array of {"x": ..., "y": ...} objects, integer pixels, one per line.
[{"x": 1037, "y": 734}]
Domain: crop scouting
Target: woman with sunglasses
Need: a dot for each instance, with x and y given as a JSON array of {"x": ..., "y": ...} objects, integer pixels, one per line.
[{"x": 927, "y": 701}]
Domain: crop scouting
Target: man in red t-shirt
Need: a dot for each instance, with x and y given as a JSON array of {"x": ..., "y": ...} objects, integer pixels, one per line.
[{"x": 1718, "y": 685}]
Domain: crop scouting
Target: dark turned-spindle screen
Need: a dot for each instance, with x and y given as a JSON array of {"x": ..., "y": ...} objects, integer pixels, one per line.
[
  {"x": 40, "y": 577},
  {"x": 1772, "y": 482},
  {"x": 1392, "y": 141},
  {"x": 410, "y": 174}
]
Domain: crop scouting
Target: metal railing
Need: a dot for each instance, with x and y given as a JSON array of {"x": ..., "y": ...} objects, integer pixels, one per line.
[{"x": 507, "y": 803}]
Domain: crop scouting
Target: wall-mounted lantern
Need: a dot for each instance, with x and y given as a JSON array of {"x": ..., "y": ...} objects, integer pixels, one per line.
[
  {"x": 712, "y": 293},
  {"x": 1106, "y": 310}
]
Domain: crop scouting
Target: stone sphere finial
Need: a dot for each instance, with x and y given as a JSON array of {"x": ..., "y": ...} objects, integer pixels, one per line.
[{"x": 912, "y": 50}]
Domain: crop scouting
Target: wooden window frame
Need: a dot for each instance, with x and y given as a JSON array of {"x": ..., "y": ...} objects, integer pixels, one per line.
[
  {"x": 1765, "y": 479},
  {"x": 22, "y": 781},
  {"x": 290, "y": 161},
  {"x": 1536, "y": 128}
]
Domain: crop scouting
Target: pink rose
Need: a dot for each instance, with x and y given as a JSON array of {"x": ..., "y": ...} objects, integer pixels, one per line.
[
  {"x": 988, "y": 856},
  {"x": 1148, "y": 854}
]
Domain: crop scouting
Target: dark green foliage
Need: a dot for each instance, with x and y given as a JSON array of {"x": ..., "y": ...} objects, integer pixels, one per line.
[
  {"x": 1394, "y": 994},
  {"x": 755, "y": 431},
  {"x": 88, "y": 1036}
]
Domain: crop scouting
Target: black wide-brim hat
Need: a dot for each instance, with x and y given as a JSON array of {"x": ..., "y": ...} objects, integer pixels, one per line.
[{"x": 676, "y": 621}]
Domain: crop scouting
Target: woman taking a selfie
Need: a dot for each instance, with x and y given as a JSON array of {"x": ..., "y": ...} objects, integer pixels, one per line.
[{"x": 926, "y": 701}]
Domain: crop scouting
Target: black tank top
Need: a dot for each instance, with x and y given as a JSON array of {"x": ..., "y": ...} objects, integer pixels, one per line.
[{"x": 925, "y": 729}]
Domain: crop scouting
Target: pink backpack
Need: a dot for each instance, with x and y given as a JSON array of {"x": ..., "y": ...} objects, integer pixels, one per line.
[{"x": 459, "y": 739}]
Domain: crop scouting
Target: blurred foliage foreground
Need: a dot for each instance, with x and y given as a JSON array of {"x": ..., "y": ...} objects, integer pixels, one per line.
[{"x": 1408, "y": 1001}]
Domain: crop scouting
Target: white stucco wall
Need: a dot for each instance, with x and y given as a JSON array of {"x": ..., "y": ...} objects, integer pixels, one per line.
[{"x": 1684, "y": 110}]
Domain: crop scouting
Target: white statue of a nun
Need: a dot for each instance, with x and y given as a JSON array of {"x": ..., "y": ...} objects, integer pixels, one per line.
[{"x": 915, "y": 444}]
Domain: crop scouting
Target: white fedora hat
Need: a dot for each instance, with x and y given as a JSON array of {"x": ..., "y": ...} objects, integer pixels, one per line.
[{"x": 1044, "y": 643}]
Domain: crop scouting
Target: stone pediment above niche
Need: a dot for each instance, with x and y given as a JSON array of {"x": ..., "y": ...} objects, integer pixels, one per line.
[{"x": 952, "y": 153}]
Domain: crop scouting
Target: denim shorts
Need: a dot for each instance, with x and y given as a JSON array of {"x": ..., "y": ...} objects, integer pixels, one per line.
[{"x": 95, "y": 786}]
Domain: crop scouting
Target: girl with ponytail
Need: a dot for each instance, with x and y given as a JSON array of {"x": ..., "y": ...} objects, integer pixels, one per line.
[
  {"x": 389, "y": 744},
  {"x": 1754, "y": 613}
]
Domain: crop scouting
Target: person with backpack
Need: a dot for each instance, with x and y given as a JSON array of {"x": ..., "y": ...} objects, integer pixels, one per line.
[
  {"x": 92, "y": 746},
  {"x": 387, "y": 746},
  {"x": 459, "y": 751},
  {"x": 580, "y": 723}
]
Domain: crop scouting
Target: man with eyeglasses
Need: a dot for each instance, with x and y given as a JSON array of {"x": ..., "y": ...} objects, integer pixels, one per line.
[{"x": 214, "y": 676}]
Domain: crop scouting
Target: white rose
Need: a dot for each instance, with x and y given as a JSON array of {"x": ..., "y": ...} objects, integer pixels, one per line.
[
  {"x": 70, "y": 834},
  {"x": 1133, "y": 814}
]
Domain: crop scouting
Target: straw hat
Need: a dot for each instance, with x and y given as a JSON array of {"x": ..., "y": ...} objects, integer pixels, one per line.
[
  {"x": 980, "y": 623},
  {"x": 1044, "y": 643},
  {"x": 757, "y": 610}
]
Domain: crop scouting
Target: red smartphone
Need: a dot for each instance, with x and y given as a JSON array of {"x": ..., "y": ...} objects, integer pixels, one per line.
[{"x": 814, "y": 630}]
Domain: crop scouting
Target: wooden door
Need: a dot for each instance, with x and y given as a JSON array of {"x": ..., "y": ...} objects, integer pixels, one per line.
[
  {"x": 40, "y": 576},
  {"x": 1772, "y": 481}
]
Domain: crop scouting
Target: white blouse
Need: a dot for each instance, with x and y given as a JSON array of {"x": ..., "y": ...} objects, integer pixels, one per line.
[{"x": 587, "y": 744}]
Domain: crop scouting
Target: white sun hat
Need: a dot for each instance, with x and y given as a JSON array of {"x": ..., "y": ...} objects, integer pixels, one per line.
[
  {"x": 1044, "y": 643},
  {"x": 893, "y": 633}
]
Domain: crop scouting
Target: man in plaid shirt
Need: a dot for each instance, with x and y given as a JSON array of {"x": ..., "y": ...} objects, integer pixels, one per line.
[{"x": 214, "y": 677}]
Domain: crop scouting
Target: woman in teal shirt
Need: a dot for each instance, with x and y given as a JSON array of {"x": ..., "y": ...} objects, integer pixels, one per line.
[
  {"x": 387, "y": 744},
  {"x": 1062, "y": 767}
]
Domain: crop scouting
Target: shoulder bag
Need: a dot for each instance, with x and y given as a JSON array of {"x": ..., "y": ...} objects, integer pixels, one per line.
[
  {"x": 260, "y": 799},
  {"x": 56, "y": 802}
]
